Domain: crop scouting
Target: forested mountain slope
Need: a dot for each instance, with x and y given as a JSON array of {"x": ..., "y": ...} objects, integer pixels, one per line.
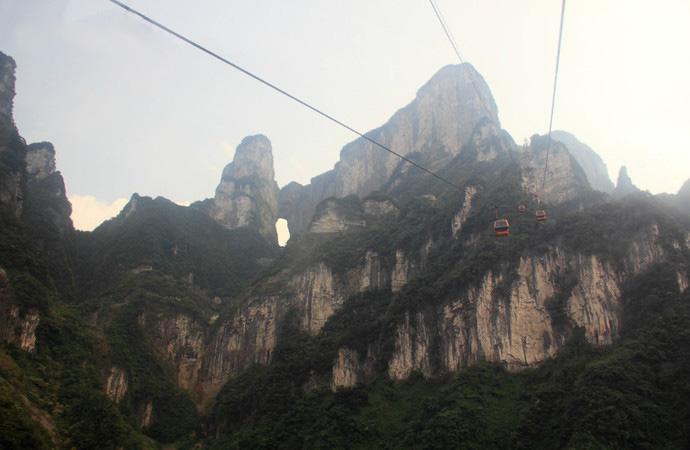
[{"x": 394, "y": 318}]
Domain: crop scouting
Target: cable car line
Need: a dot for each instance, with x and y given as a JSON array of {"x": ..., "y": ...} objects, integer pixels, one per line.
[
  {"x": 502, "y": 225},
  {"x": 553, "y": 95},
  {"x": 280, "y": 90},
  {"x": 456, "y": 49}
]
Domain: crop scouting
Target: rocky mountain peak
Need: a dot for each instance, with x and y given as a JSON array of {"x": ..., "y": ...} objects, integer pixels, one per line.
[
  {"x": 436, "y": 125},
  {"x": 564, "y": 179},
  {"x": 7, "y": 79},
  {"x": 624, "y": 186},
  {"x": 40, "y": 160},
  {"x": 253, "y": 157},
  {"x": 595, "y": 169},
  {"x": 248, "y": 193},
  {"x": 459, "y": 87}
]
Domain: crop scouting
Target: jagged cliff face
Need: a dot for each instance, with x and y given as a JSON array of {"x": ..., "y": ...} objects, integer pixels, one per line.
[
  {"x": 440, "y": 120},
  {"x": 11, "y": 147},
  {"x": 515, "y": 322},
  {"x": 7, "y": 79},
  {"x": 624, "y": 185},
  {"x": 116, "y": 384},
  {"x": 248, "y": 194},
  {"x": 564, "y": 180},
  {"x": 479, "y": 324},
  {"x": 437, "y": 124},
  {"x": 591, "y": 163},
  {"x": 440, "y": 293},
  {"x": 46, "y": 193},
  {"x": 180, "y": 342},
  {"x": 17, "y": 324}
]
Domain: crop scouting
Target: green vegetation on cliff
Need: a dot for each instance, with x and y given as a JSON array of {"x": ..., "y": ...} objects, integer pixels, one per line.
[{"x": 634, "y": 394}]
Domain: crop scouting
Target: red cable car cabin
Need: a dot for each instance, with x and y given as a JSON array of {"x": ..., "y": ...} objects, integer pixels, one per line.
[
  {"x": 541, "y": 215},
  {"x": 502, "y": 227}
]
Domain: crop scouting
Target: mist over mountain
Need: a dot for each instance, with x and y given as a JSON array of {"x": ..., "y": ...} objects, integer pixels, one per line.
[
  {"x": 395, "y": 317},
  {"x": 594, "y": 167},
  {"x": 624, "y": 185}
]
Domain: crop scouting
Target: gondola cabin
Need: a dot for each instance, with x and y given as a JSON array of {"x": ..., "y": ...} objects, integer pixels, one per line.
[
  {"x": 541, "y": 216},
  {"x": 502, "y": 227}
]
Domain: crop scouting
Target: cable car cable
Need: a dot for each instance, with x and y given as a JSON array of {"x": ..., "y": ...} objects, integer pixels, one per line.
[
  {"x": 553, "y": 95},
  {"x": 453, "y": 43},
  {"x": 280, "y": 90}
]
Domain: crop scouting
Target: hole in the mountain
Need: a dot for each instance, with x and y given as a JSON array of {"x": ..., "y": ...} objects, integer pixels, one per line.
[{"x": 283, "y": 232}]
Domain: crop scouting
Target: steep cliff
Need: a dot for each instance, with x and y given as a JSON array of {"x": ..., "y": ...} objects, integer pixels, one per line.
[
  {"x": 591, "y": 163},
  {"x": 394, "y": 318},
  {"x": 437, "y": 124},
  {"x": 247, "y": 195},
  {"x": 12, "y": 147},
  {"x": 624, "y": 185},
  {"x": 564, "y": 178}
]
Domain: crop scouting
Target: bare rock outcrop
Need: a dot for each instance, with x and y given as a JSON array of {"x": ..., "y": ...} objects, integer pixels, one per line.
[
  {"x": 512, "y": 321},
  {"x": 248, "y": 194},
  {"x": 40, "y": 160},
  {"x": 594, "y": 167},
  {"x": 180, "y": 340},
  {"x": 334, "y": 215},
  {"x": 7, "y": 92},
  {"x": 624, "y": 186},
  {"x": 12, "y": 148},
  {"x": 437, "y": 124},
  {"x": 564, "y": 179},
  {"x": 116, "y": 384},
  {"x": 17, "y": 325}
]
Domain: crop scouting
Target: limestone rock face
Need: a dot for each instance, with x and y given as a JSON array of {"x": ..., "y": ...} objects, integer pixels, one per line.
[
  {"x": 462, "y": 215},
  {"x": 316, "y": 290},
  {"x": 17, "y": 326},
  {"x": 12, "y": 148},
  {"x": 682, "y": 282},
  {"x": 437, "y": 124},
  {"x": 249, "y": 337},
  {"x": 519, "y": 330},
  {"x": 624, "y": 186},
  {"x": 595, "y": 169},
  {"x": 379, "y": 208},
  {"x": 401, "y": 271},
  {"x": 565, "y": 179},
  {"x": 180, "y": 340},
  {"x": 412, "y": 344},
  {"x": 45, "y": 182},
  {"x": 7, "y": 80},
  {"x": 248, "y": 194},
  {"x": 145, "y": 415},
  {"x": 346, "y": 370},
  {"x": 333, "y": 217},
  {"x": 40, "y": 160},
  {"x": 116, "y": 384}
]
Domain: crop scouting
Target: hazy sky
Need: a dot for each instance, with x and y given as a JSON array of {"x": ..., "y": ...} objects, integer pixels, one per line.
[{"x": 129, "y": 109}]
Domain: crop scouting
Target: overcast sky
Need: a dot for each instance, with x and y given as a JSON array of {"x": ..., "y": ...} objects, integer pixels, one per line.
[{"x": 130, "y": 109}]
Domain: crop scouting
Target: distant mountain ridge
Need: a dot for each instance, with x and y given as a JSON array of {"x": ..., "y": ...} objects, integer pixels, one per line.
[
  {"x": 594, "y": 167},
  {"x": 394, "y": 318}
]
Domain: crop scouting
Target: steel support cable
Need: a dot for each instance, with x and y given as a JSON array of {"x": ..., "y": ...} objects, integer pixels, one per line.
[
  {"x": 456, "y": 49},
  {"x": 553, "y": 95},
  {"x": 280, "y": 90}
]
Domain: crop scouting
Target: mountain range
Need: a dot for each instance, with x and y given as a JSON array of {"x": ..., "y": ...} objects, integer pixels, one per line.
[{"x": 393, "y": 318}]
